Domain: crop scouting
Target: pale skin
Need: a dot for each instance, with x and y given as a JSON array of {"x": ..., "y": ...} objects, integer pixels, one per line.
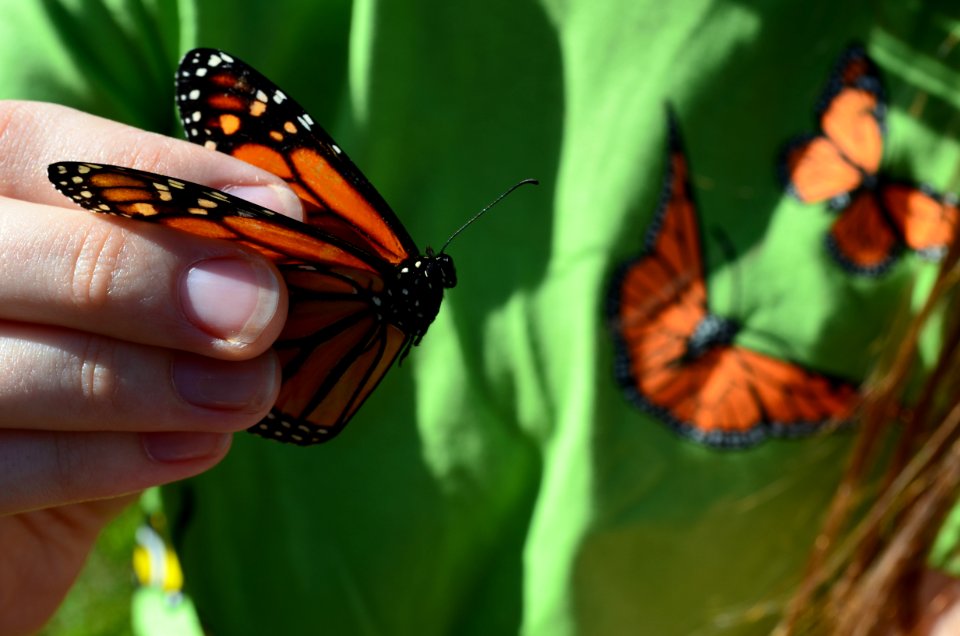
[{"x": 130, "y": 353}]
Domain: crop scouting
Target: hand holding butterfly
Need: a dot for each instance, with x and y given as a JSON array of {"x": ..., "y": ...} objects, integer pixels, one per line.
[{"x": 129, "y": 352}]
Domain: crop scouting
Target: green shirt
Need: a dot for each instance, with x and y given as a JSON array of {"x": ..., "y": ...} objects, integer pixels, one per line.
[{"x": 498, "y": 482}]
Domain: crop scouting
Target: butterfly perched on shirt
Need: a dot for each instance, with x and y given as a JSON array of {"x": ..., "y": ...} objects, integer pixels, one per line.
[
  {"x": 879, "y": 216},
  {"x": 361, "y": 293},
  {"x": 678, "y": 361}
]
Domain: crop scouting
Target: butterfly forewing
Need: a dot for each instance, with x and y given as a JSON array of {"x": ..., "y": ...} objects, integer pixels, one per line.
[
  {"x": 199, "y": 210},
  {"x": 227, "y": 105},
  {"x": 852, "y": 110}
]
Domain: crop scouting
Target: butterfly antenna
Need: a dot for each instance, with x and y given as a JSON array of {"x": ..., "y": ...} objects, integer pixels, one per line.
[{"x": 481, "y": 212}]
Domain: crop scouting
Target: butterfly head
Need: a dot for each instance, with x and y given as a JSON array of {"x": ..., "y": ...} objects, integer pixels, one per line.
[{"x": 440, "y": 267}]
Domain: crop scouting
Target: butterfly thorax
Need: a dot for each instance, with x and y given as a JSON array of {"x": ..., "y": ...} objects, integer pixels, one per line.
[
  {"x": 414, "y": 293},
  {"x": 711, "y": 331}
]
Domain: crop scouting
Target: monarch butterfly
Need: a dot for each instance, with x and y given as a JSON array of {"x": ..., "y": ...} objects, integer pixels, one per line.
[
  {"x": 360, "y": 292},
  {"x": 678, "y": 361},
  {"x": 841, "y": 165}
]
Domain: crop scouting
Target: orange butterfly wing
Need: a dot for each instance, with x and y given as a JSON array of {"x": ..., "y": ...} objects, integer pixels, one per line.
[
  {"x": 333, "y": 351},
  {"x": 335, "y": 347},
  {"x": 879, "y": 217},
  {"x": 854, "y": 122},
  {"x": 861, "y": 239},
  {"x": 229, "y": 106},
  {"x": 819, "y": 172},
  {"x": 846, "y": 154},
  {"x": 677, "y": 361},
  {"x": 734, "y": 397},
  {"x": 926, "y": 221},
  {"x": 840, "y": 165}
]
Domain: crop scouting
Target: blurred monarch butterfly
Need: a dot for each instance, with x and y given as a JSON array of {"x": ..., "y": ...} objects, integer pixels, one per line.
[
  {"x": 361, "y": 293},
  {"x": 678, "y": 361},
  {"x": 841, "y": 164}
]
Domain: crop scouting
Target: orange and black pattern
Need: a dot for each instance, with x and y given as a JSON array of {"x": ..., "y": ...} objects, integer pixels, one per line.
[
  {"x": 360, "y": 292},
  {"x": 840, "y": 165},
  {"x": 228, "y": 106},
  {"x": 679, "y": 362}
]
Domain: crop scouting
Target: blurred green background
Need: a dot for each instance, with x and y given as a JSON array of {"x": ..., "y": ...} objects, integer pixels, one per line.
[{"x": 99, "y": 604}]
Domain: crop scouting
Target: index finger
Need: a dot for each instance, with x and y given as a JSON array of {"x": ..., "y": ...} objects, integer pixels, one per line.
[{"x": 35, "y": 134}]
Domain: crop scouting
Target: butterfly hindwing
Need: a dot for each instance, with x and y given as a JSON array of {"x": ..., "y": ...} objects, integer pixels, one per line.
[
  {"x": 861, "y": 240},
  {"x": 333, "y": 350}
]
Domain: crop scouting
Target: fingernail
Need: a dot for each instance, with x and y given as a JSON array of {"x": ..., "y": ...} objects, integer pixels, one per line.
[
  {"x": 167, "y": 448},
  {"x": 276, "y": 198},
  {"x": 232, "y": 299},
  {"x": 218, "y": 384}
]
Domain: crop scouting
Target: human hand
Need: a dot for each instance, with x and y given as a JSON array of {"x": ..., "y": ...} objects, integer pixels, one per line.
[{"x": 130, "y": 352}]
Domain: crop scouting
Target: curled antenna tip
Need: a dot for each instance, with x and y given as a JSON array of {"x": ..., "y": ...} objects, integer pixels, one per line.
[{"x": 481, "y": 212}]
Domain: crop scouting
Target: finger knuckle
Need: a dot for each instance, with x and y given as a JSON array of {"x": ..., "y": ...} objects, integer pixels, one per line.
[
  {"x": 17, "y": 121},
  {"x": 14, "y": 114},
  {"x": 97, "y": 262},
  {"x": 93, "y": 374}
]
